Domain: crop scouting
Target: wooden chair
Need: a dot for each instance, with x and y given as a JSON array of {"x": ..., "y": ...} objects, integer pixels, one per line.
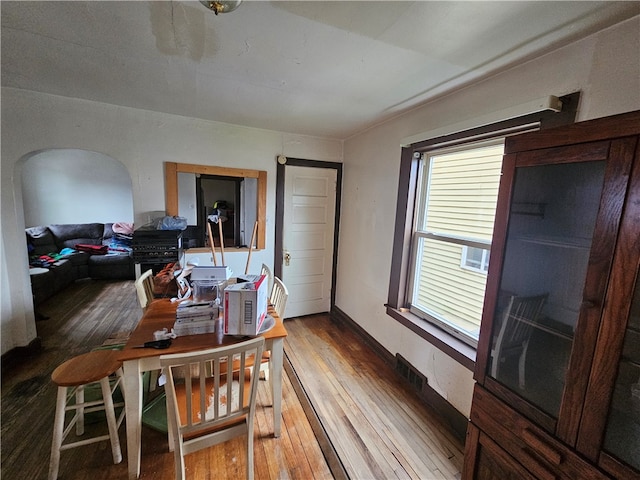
[
  {"x": 267, "y": 271},
  {"x": 144, "y": 287},
  {"x": 518, "y": 320},
  {"x": 217, "y": 404},
  {"x": 278, "y": 298},
  {"x": 72, "y": 377}
]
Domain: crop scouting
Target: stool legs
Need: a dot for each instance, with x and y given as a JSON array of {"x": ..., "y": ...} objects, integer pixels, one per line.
[
  {"x": 80, "y": 408},
  {"x": 58, "y": 431},
  {"x": 111, "y": 420}
]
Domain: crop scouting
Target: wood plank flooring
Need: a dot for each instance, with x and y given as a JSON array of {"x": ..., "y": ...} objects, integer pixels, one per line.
[
  {"x": 378, "y": 427},
  {"x": 371, "y": 425},
  {"x": 83, "y": 317}
]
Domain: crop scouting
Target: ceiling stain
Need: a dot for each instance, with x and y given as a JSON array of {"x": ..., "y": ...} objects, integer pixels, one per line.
[{"x": 180, "y": 30}]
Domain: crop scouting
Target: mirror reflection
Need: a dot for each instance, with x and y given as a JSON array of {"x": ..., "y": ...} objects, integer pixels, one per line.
[
  {"x": 228, "y": 204},
  {"x": 231, "y": 200}
]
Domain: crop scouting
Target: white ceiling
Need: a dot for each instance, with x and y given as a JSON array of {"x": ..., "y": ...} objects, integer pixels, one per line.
[{"x": 310, "y": 67}]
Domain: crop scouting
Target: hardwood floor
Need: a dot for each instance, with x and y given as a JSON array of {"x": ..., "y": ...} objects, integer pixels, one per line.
[
  {"x": 83, "y": 317},
  {"x": 371, "y": 424},
  {"x": 377, "y": 425}
]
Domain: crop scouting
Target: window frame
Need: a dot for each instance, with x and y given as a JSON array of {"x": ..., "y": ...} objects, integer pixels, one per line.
[{"x": 397, "y": 305}]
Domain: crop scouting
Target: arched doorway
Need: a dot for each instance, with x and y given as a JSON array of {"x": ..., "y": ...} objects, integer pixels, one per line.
[{"x": 75, "y": 186}]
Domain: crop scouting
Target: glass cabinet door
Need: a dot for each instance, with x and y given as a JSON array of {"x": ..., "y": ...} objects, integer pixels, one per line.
[
  {"x": 622, "y": 435},
  {"x": 550, "y": 229}
]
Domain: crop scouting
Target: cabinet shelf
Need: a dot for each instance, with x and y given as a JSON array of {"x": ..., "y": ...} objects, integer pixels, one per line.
[
  {"x": 557, "y": 242},
  {"x": 529, "y": 208}
]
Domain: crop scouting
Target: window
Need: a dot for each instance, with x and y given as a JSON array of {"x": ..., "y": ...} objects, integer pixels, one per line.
[
  {"x": 476, "y": 259},
  {"x": 444, "y": 226},
  {"x": 455, "y": 209}
]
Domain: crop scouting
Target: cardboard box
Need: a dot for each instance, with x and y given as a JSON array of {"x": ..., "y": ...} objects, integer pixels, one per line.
[{"x": 245, "y": 306}]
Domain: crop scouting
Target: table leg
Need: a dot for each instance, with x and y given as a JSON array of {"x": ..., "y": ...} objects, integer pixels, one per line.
[
  {"x": 277, "y": 357},
  {"x": 133, "y": 406}
]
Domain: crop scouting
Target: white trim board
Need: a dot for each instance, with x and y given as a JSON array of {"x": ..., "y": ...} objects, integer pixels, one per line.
[{"x": 545, "y": 103}]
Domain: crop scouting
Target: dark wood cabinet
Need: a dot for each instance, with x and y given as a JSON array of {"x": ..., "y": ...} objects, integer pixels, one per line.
[{"x": 558, "y": 382}]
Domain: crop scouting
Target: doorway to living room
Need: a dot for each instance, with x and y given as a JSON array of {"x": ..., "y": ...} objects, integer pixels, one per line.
[{"x": 75, "y": 186}]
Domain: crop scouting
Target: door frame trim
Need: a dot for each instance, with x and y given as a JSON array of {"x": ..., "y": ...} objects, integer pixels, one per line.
[{"x": 280, "y": 173}]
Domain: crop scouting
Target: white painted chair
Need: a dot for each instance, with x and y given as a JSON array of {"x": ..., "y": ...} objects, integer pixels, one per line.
[
  {"x": 267, "y": 271},
  {"x": 144, "y": 288},
  {"x": 215, "y": 405},
  {"x": 278, "y": 298}
]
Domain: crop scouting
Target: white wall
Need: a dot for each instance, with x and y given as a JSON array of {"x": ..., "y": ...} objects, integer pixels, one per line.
[
  {"x": 141, "y": 141},
  {"x": 75, "y": 186},
  {"x": 605, "y": 67}
]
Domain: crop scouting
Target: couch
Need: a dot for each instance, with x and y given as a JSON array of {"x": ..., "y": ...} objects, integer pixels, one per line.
[{"x": 55, "y": 261}]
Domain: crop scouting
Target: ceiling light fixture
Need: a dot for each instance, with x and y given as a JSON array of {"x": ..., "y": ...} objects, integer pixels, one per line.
[{"x": 221, "y": 6}]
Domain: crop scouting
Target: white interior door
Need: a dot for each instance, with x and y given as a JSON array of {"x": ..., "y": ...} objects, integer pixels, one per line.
[{"x": 307, "y": 238}]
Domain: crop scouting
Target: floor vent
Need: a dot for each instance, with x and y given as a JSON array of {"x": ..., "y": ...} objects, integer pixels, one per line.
[{"x": 410, "y": 373}]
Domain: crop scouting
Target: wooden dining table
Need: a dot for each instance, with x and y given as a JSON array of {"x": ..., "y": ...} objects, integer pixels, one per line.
[{"x": 161, "y": 313}]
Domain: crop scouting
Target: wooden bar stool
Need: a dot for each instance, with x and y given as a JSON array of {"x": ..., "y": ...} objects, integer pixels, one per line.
[{"x": 71, "y": 378}]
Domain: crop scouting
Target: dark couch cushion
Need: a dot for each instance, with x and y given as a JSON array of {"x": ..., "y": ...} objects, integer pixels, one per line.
[
  {"x": 107, "y": 233},
  {"x": 111, "y": 267},
  {"x": 42, "y": 241},
  {"x": 78, "y": 258},
  {"x": 63, "y": 274},
  {"x": 69, "y": 235},
  {"x": 79, "y": 261}
]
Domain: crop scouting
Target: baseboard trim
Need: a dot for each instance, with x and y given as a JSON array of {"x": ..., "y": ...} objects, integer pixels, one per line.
[{"x": 450, "y": 417}]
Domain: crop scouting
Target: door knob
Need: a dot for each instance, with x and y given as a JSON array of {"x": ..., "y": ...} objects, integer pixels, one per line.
[{"x": 287, "y": 258}]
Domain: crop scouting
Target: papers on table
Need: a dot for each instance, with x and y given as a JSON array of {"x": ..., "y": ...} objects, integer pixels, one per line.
[{"x": 194, "y": 318}]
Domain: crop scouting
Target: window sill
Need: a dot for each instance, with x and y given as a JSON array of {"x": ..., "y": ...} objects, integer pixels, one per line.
[{"x": 447, "y": 343}]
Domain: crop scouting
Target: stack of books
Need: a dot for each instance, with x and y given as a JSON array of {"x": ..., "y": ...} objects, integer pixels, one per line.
[{"x": 194, "y": 318}]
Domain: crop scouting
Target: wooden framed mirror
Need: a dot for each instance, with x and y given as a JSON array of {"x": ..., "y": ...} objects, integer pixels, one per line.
[{"x": 172, "y": 170}]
